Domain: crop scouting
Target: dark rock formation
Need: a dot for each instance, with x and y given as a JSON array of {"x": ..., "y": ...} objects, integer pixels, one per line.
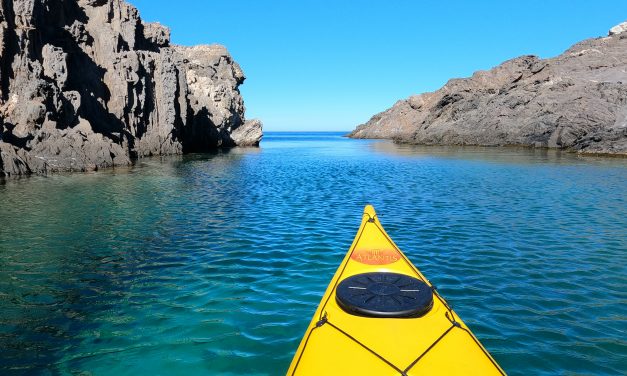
[
  {"x": 575, "y": 101},
  {"x": 85, "y": 84}
]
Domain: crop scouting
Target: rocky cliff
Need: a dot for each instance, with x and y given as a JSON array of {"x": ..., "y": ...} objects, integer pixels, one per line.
[
  {"x": 86, "y": 84},
  {"x": 575, "y": 101}
]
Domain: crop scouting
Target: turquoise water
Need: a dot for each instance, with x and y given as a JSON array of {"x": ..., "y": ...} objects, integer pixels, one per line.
[{"x": 214, "y": 264}]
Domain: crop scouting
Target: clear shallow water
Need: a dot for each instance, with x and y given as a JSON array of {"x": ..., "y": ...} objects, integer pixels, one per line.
[{"x": 214, "y": 264}]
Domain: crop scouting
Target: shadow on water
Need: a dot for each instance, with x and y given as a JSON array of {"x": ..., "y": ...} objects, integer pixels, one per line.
[
  {"x": 67, "y": 258},
  {"x": 166, "y": 161},
  {"x": 505, "y": 154},
  {"x": 52, "y": 300}
]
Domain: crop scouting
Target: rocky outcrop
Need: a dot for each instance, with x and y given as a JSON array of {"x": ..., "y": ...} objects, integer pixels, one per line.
[
  {"x": 575, "y": 101},
  {"x": 85, "y": 84},
  {"x": 212, "y": 81}
]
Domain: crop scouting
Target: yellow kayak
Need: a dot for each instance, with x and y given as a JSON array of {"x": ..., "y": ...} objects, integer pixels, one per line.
[{"x": 381, "y": 316}]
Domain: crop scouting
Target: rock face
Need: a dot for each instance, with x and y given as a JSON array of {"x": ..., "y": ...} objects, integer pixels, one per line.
[
  {"x": 85, "y": 84},
  {"x": 575, "y": 101}
]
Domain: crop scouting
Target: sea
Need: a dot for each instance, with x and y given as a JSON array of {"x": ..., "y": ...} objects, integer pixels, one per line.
[{"x": 213, "y": 264}]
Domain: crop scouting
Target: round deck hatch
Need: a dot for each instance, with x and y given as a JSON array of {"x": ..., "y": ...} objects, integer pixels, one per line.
[{"x": 384, "y": 295}]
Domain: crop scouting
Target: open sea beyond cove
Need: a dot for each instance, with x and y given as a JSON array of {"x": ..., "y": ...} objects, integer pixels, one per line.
[{"x": 214, "y": 264}]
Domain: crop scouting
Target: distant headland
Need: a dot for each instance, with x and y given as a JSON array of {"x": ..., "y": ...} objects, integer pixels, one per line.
[
  {"x": 576, "y": 101},
  {"x": 87, "y": 84}
]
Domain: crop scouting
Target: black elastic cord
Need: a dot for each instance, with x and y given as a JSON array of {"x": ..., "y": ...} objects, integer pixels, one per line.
[
  {"x": 451, "y": 318},
  {"x": 455, "y": 323},
  {"x": 321, "y": 323},
  {"x": 364, "y": 346},
  {"x": 428, "y": 349}
]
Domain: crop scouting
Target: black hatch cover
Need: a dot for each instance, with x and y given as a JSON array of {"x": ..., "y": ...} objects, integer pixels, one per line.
[{"x": 384, "y": 295}]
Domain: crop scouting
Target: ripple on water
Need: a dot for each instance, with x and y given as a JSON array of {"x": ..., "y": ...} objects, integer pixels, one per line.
[{"x": 215, "y": 264}]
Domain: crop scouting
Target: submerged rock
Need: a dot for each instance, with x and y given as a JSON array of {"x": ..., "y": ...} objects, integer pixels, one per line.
[
  {"x": 85, "y": 84},
  {"x": 575, "y": 101}
]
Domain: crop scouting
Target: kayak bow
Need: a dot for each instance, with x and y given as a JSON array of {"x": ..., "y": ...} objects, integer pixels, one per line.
[{"x": 381, "y": 316}]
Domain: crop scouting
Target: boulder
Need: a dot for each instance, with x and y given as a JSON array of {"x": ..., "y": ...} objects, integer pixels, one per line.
[
  {"x": 618, "y": 29},
  {"x": 248, "y": 134}
]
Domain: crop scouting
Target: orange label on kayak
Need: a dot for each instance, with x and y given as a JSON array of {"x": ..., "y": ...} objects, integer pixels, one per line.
[{"x": 375, "y": 256}]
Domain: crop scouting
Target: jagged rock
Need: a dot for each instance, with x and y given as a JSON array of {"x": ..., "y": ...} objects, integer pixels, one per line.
[
  {"x": 74, "y": 149},
  {"x": 157, "y": 34},
  {"x": 575, "y": 101},
  {"x": 85, "y": 84},
  {"x": 10, "y": 161},
  {"x": 213, "y": 79},
  {"x": 54, "y": 64}
]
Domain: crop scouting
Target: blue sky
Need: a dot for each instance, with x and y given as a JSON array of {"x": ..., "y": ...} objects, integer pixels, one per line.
[{"x": 331, "y": 65}]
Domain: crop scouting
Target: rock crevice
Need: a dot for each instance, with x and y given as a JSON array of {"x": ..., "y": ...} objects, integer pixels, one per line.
[
  {"x": 575, "y": 101},
  {"x": 86, "y": 84}
]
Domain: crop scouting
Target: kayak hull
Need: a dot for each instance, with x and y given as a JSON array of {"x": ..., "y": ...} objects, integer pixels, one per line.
[{"x": 338, "y": 342}]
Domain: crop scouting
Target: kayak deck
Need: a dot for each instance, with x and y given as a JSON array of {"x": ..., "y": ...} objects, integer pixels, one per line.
[{"x": 339, "y": 343}]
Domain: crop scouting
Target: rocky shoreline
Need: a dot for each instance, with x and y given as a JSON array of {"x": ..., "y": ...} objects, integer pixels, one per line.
[
  {"x": 87, "y": 84},
  {"x": 576, "y": 101}
]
